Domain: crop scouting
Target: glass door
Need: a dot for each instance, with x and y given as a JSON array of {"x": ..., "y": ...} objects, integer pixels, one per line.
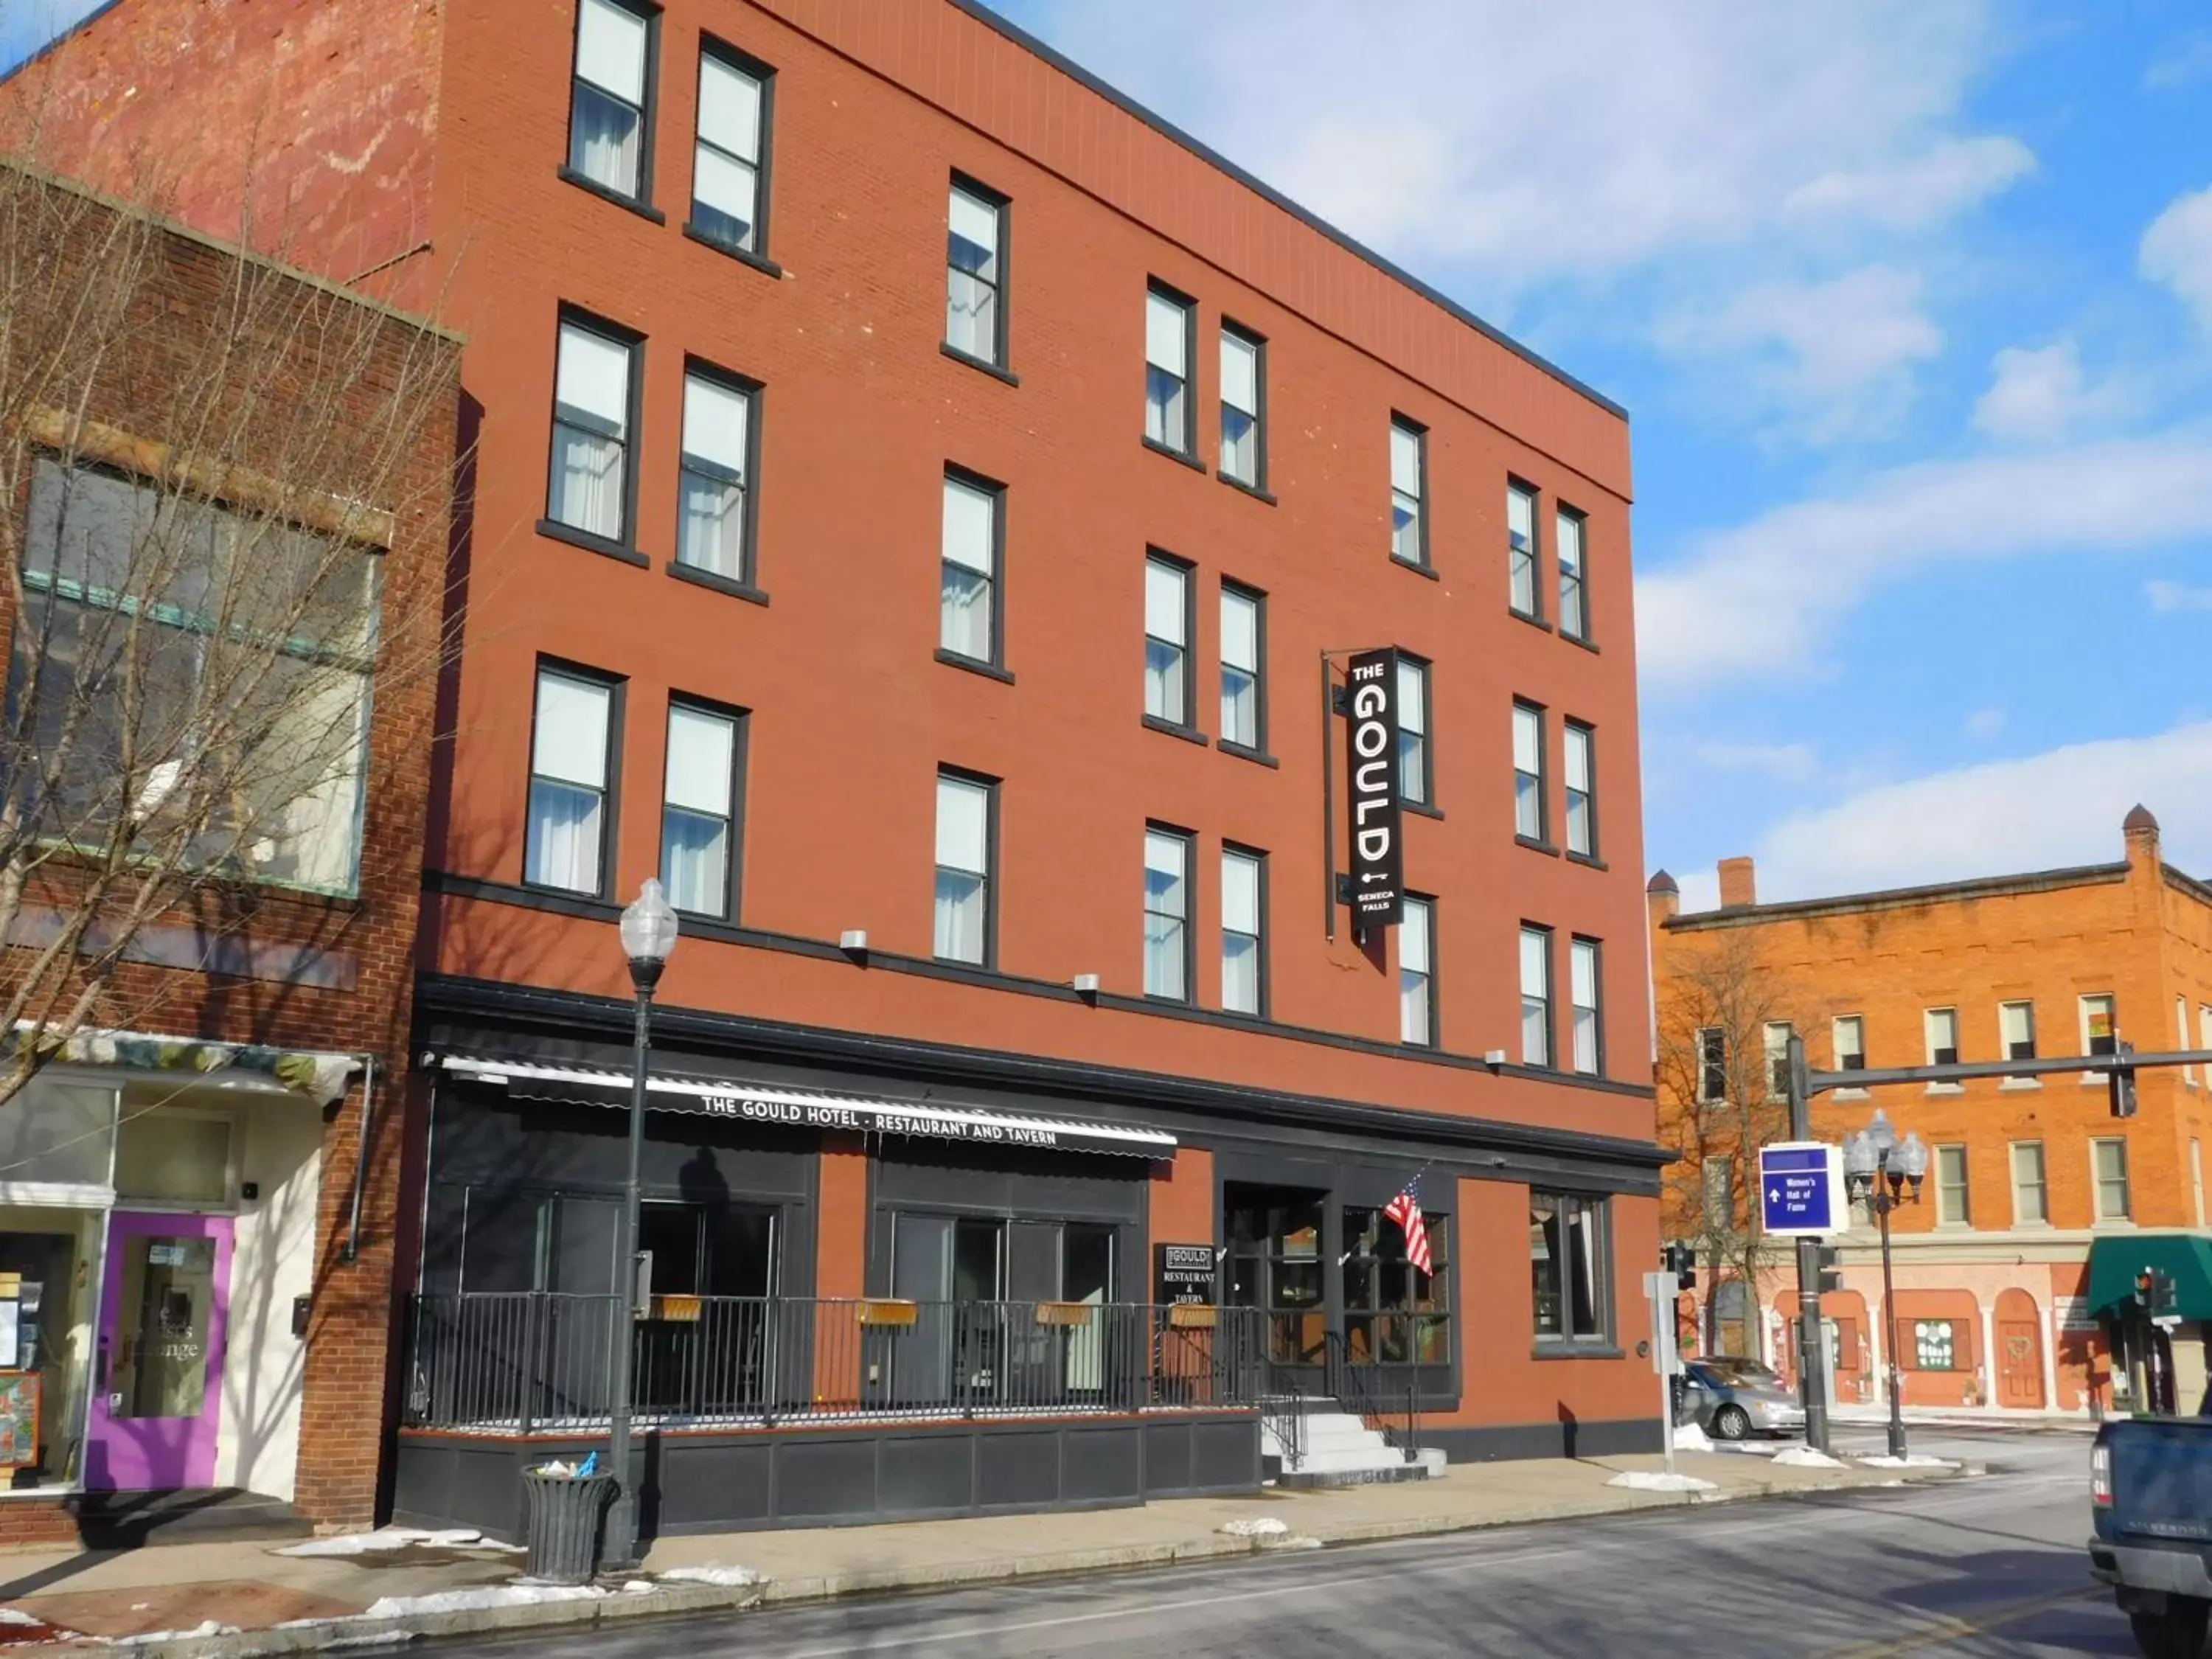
[{"x": 158, "y": 1376}]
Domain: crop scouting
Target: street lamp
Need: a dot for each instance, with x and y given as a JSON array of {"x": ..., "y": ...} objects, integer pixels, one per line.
[
  {"x": 1878, "y": 1167},
  {"x": 648, "y": 934}
]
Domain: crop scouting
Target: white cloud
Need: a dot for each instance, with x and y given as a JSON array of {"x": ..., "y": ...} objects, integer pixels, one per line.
[
  {"x": 1784, "y": 762},
  {"x": 2167, "y": 596},
  {"x": 1921, "y": 191},
  {"x": 1985, "y": 722},
  {"x": 1701, "y": 889},
  {"x": 2033, "y": 393},
  {"x": 1759, "y": 600},
  {"x": 2183, "y": 62},
  {"x": 2177, "y": 251},
  {"x": 2000, "y": 817}
]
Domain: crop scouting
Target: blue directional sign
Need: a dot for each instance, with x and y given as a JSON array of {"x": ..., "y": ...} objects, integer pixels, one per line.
[{"x": 1801, "y": 1189}]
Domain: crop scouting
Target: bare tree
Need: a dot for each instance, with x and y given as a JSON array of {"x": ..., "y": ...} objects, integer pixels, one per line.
[
  {"x": 201, "y": 458},
  {"x": 1720, "y": 1100}
]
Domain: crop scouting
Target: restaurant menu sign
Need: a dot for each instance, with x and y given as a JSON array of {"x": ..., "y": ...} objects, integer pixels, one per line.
[{"x": 1378, "y": 855}]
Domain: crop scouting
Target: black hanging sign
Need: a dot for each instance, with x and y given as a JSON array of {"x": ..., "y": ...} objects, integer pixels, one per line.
[
  {"x": 1377, "y": 858},
  {"x": 1183, "y": 1273}
]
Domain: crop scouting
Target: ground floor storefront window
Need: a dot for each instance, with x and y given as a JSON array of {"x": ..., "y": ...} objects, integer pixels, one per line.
[
  {"x": 1570, "y": 1268},
  {"x": 1394, "y": 1312}
]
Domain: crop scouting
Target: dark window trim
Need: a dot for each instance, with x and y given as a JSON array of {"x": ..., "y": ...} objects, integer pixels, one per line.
[
  {"x": 1597, "y": 989},
  {"x": 1190, "y": 727},
  {"x": 990, "y": 785},
  {"x": 1551, "y": 1063},
  {"x": 968, "y": 665},
  {"x": 1543, "y": 836},
  {"x": 1426, "y": 801},
  {"x": 741, "y": 727},
  {"x": 1187, "y": 451},
  {"x": 1434, "y": 1042},
  {"x": 1604, "y": 1342},
  {"x": 1400, "y": 422},
  {"x": 1189, "y": 840},
  {"x": 1264, "y": 938},
  {"x": 617, "y": 687},
  {"x": 1258, "y": 342},
  {"x": 992, "y": 369},
  {"x": 648, "y": 13},
  {"x": 685, "y": 573},
  {"x": 956, "y": 473},
  {"x": 1258, "y": 756},
  {"x": 1001, "y": 341},
  {"x": 1242, "y": 489},
  {"x": 625, "y": 546},
  {"x": 1258, "y": 596},
  {"x": 737, "y": 58},
  {"x": 1515, "y": 482},
  {"x": 1182, "y": 456},
  {"x": 1562, "y": 510},
  {"x": 747, "y": 584},
  {"x": 1594, "y": 853},
  {"x": 554, "y": 530}
]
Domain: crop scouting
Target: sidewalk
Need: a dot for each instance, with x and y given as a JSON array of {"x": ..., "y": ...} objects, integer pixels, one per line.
[{"x": 223, "y": 1601}]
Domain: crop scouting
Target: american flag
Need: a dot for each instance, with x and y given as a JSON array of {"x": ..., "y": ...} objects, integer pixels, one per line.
[{"x": 1406, "y": 1211}]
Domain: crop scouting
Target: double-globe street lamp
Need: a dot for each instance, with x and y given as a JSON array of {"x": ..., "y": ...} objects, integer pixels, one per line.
[
  {"x": 649, "y": 935},
  {"x": 1879, "y": 1167}
]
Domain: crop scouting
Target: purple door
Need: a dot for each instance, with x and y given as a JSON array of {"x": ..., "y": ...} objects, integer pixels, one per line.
[{"x": 158, "y": 1382}]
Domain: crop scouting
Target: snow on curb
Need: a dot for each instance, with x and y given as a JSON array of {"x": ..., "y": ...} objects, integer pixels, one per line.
[
  {"x": 1805, "y": 1457},
  {"x": 723, "y": 1577},
  {"x": 206, "y": 1627},
  {"x": 388, "y": 1538},
  {"x": 1917, "y": 1461},
  {"x": 1688, "y": 1436},
  {"x": 1262, "y": 1526},
  {"x": 1646, "y": 1480},
  {"x": 481, "y": 1599}
]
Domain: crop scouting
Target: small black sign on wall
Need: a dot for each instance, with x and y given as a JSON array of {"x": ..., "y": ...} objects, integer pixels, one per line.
[
  {"x": 1183, "y": 1273},
  {"x": 1372, "y": 737}
]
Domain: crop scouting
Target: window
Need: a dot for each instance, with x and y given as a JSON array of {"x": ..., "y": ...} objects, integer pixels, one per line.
[
  {"x": 1417, "y": 973},
  {"x": 2205, "y": 1034},
  {"x": 1570, "y": 1267},
  {"x": 2099, "y": 1032},
  {"x": 1535, "y": 996},
  {"x": 1582, "y": 790},
  {"x": 729, "y": 167},
  {"x": 1776, "y": 1036},
  {"x": 1574, "y": 596},
  {"x": 964, "y": 860},
  {"x": 1243, "y": 671},
  {"x": 608, "y": 134},
  {"x": 572, "y": 749},
  {"x": 1847, "y": 1037},
  {"x": 2181, "y": 1029},
  {"x": 698, "y": 808},
  {"x": 1528, "y": 772},
  {"x": 1167, "y": 914},
  {"x": 974, "y": 310},
  {"x": 1409, "y": 530},
  {"x": 1243, "y": 931},
  {"x": 1935, "y": 1345},
  {"x": 1943, "y": 1032},
  {"x": 1244, "y": 408},
  {"x": 1167, "y": 641},
  {"x": 1167, "y": 370},
  {"x": 967, "y": 624},
  {"x": 1589, "y": 1033},
  {"x": 715, "y": 533},
  {"x": 2016, "y": 1028},
  {"x": 2109, "y": 1160},
  {"x": 1394, "y": 1313},
  {"x": 1521, "y": 542},
  {"x": 2031, "y": 1195},
  {"x": 1951, "y": 1208},
  {"x": 1414, "y": 783},
  {"x": 1716, "y": 1180},
  {"x": 1712, "y": 1065},
  {"x": 593, "y": 404}
]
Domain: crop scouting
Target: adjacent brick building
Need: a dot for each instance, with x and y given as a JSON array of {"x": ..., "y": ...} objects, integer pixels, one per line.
[
  {"x": 2028, "y": 1177},
  {"x": 922, "y": 508}
]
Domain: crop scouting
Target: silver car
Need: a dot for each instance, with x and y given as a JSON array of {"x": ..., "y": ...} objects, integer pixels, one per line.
[{"x": 1732, "y": 1399}]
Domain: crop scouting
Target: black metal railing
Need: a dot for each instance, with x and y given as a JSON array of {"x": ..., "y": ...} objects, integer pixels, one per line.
[
  {"x": 1353, "y": 1387},
  {"x": 538, "y": 1361}
]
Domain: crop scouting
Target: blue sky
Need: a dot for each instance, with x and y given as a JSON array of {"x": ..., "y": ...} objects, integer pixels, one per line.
[{"x": 1912, "y": 303}]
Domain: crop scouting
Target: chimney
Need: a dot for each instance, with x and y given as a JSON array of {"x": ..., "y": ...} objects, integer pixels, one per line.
[
  {"x": 1662, "y": 899},
  {"x": 1739, "y": 883},
  {"x": 2139, "y": 830}
]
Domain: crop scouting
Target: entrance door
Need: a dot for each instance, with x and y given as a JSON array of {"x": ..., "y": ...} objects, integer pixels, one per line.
[
  {"x": 2020, "y": 1363},
  {"x": 156, "y": 1393}
]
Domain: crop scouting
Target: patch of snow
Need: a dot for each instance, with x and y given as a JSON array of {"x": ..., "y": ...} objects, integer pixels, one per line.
[
  {"x": 386, "y": 1539},
  {"x": 728, "y": 1577},
  {"x": 1690, "y": 1437},
  {"x": 1804, "y": 1457},
  {"x": 17, "y": 1616},
  {"x": 1262, "y": 1526},
  {"x": 484, "y": 1596},
  {"x": 204, "y": 1628},
  {"x": 1649, "y": 1480},
  {"x": 1297, "y": 1542},
  {"x": 1916, "y": 1461}
]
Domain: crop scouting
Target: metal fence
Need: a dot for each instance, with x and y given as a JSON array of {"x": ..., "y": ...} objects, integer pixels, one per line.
[{"x": 539, "y": 1361}]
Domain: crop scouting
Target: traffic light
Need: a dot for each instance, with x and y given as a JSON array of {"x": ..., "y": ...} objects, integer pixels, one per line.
[
  {"x": 1832, "y": 1262},
  {"x": 2155, "y": 1291},
  {"x": 1681, "y": 1260},
  {"x": 2120, "y": 1083}
]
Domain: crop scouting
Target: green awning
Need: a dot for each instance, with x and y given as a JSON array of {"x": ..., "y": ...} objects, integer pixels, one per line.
[{"x": 2186, "y": 1258}]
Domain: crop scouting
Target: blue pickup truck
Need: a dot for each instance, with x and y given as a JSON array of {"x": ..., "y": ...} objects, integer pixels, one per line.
[{"x": 2150, "y": 1483}]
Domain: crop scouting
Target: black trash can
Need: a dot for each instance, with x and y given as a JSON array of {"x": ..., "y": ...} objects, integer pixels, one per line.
[{"x": 565, "y": 1520}]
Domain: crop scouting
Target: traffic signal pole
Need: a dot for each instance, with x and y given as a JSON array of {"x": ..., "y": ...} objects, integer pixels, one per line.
[{"x": 1812, "y": 1336}]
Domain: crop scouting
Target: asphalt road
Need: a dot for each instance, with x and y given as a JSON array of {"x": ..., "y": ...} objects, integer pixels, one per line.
[{"x": 1993, "y": 1566}]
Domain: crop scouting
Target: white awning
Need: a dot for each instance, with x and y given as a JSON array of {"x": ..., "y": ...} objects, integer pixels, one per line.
[{"x": 808, "y": 1108}]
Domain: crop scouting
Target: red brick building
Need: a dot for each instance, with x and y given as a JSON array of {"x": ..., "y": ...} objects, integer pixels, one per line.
[{"x": 923, "y": 509}]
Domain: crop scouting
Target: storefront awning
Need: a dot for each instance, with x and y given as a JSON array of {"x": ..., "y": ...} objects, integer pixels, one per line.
[
  {"x": 810, "y": 1108},
  {"x": 2185, "y": 1258}
]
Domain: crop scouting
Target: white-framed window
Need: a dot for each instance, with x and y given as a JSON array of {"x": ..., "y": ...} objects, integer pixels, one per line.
[
  {"x": 1243, "y": 931},
  {"x": 1942, "y": 1029},
  {"x": 2030, "y": 1192},
  {"x": 698, "y": 811},
  {"x": 1167, "y": 369},
  {"x": 1167, "y": 914},
  {"x": 2181, "y": 1033},
  {"x": 1417, "y": 1007},
  {"x": 2099, "y": 1029},
  {"x": 729, "y": 164},
  {"x": 2109, "y": 1164},
  {"x": 609, "y": 128},
  {"x": 1529, "y": 772},
  {"x": 1712, "y": 1065},
  {"x": 1167, "y": 640},
  {"x": 714, "y": 533},
  {"x": 1776, "y": 1036},
  {"x": 1243, "y": 382},
  {"x": 1847, "y": 1042},
  {"x": 1584, "y": 991},
  {"x": 975, "y": 299},
  {"x": 1243, "y": 671},
  {"x": 1521, "y": 549},
  {"x": 1414, "y": 783},
  {"x": 2205, "y": 1034},
  {"x": 1580, "y": 777},
  {"x": 1952, "y": 1205},
  {"x": 594, "y": 382},
  {"x": 964, "y": 863},
  {"x": 1571, "y": 530},
  {"x": 1409, "y": 534},
  {"x": 571, "y": 761},
  {"x": 968, "y": 571},
  {"x": 1535, "y": 996},
  {"x": 2016, "y": 1029}
]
